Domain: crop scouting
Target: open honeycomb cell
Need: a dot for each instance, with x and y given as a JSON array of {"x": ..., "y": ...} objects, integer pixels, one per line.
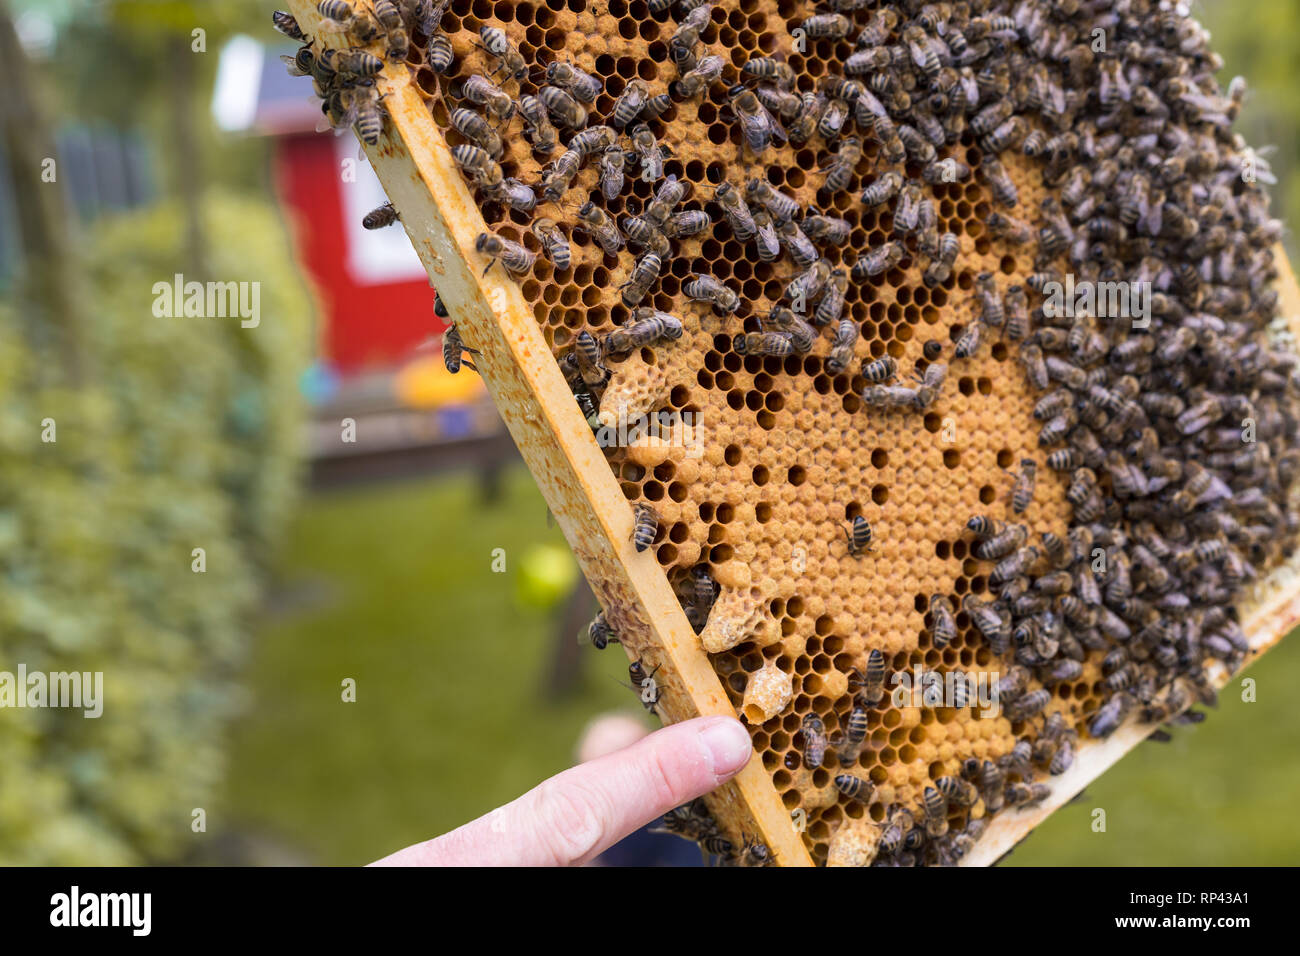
[{"x": 783, "y": 454}]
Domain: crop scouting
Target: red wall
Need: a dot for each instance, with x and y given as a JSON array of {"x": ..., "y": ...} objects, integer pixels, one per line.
[{"x": 363, "y": 326}]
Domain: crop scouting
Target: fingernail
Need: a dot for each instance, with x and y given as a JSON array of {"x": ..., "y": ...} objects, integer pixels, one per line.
[{"x": 728, "y": 745}]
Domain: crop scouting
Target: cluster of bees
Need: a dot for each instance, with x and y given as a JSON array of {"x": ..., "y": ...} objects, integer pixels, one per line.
[{"x": 1175, "y": 511}]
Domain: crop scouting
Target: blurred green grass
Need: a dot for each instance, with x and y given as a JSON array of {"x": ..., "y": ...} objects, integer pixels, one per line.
[{"x": 449, "y": 722}]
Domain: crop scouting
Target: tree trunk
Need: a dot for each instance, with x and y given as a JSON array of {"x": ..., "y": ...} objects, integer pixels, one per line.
[{"x": 51, "y": 273}]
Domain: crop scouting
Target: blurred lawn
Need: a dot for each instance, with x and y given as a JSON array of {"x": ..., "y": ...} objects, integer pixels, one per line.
[{"x": 448, "y": 722}]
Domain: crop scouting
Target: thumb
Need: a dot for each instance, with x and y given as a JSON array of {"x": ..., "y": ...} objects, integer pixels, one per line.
[{"x": 574, "y": 816}]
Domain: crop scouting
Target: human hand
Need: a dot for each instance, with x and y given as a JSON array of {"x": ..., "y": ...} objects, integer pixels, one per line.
[{"x": 574, "y": 816}]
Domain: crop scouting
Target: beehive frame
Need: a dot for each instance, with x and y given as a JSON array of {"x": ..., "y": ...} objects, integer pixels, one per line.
[{"x": 442, "y": 218}]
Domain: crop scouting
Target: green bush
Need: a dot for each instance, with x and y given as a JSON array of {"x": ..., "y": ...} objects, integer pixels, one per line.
[{"x": 186, "y": 437}]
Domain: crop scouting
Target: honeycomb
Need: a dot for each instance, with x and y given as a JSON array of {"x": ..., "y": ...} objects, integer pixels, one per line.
[{"x": 782, "y": 456}]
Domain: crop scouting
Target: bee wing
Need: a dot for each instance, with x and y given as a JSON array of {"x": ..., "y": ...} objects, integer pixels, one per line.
[
  {"x": 292, "y": 64},
  {"x": 778, "y": 130}
]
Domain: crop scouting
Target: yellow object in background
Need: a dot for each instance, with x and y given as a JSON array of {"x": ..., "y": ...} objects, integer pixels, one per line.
[{"x": 426, "y": 383}]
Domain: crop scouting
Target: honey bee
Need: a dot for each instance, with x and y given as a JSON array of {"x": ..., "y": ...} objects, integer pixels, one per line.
[
  {"x": 957, "y": 791},
  {"x": 439, "y": 54},
  {"x": 805, "y": 121},
  {"x": 767, "y": 243},
  {"x": 514, "y": 258},
  {"x": 805, "y": 286},
  {"x": 877, "y": 31},
  {"x": 600, "y": 633},
  {"x": 950, "y": 170},
  {"x": 649, "y": 151},
  {"x": 1003, "y": 189},
  {"x": 473, "y": 127},
  {"x": 840, "y": 170},
  {"x": 385, "y": 215},
  {"x": 668, "y": 194},
  {"x": 696, "y": 81},
  {"x": 859, "y": 537},
  {"x": 833, "y": 26},
  {"x": 855, "y": 732},
  {"x": 708, "y": 289},
  {"x": 802, "y": 252},
  {"x": 757, "y": 125},
  {"x": 854, "y": 787},
  {"x": 390, "y": 19},
  {"x": 781, "y": 103},
  {"x": 832, "y": 119},
  {"x": 1031, "y": 358},
  {"x": 828, "y": 229},
  {"x": 357, "y": 63},
  {"x": 878, "y": 261},
  {"x": 498, "y": 45},
  {"x": 583, "y": 86},
  {"x": 554, "y": 243},
  {"x": 1106, "y": 720},
  {"x": 880, "y": 370},
  {"x": 944, "y": 628},
  {"x": 538, "y": 127},
  {"x": 1005, "y": 136},
  {"x": 648, "y": 328},
  {"x": 831, "y": 305},
  {"x": 477, "y": 162},
  {"x": 939, "y": 269},
  {"x": 870, "y": 60},
  {"x": 339, "y": 15},
  {"x": 587, "y": 357},
  {"x": 1022, "y": 795},
  {"x": 889, "y": 397},
  {"x": 1022, "y": 492},
  {"x": 363, "y": 111},
  {"x": 968, "y": 343},
  {"x": 592, "y": 140},
  {"x": 814, "y": 741},
  {"x": 563, "y": 107},
  {"x": 873, "y": 681},
  {"x": 484, "y": 92},
  {"x": 1009, "y": 228},
  {"x": 645, "y": 526},
  {"x": 841, "y": 352},
  {"x": 611, "y": 172},
  {"x": 770, "y": 68},
  {"x": 781, "y": 207},
  {"x": 453, "y": 348},
  {"x": 641, "y": 231},
  {"x": 931, "y": 350},
  {"x": 559, "y": 175},
  {"x": 936, "y": 812},
  {"x": 600, "y": 227},
  {"x": 736, "y": 210},
  {"x": 897, "y": 825},
  {"x": 629, "y": 104},
  {"x": 776, "y": 344},
  {"x": 989, "y": 623},
  {"x": 802, "y": 335},
  {"x": 285, "y": 23}
]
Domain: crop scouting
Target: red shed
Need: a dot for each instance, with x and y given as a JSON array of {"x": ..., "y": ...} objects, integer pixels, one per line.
[{"x": 374, "y": 296}]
